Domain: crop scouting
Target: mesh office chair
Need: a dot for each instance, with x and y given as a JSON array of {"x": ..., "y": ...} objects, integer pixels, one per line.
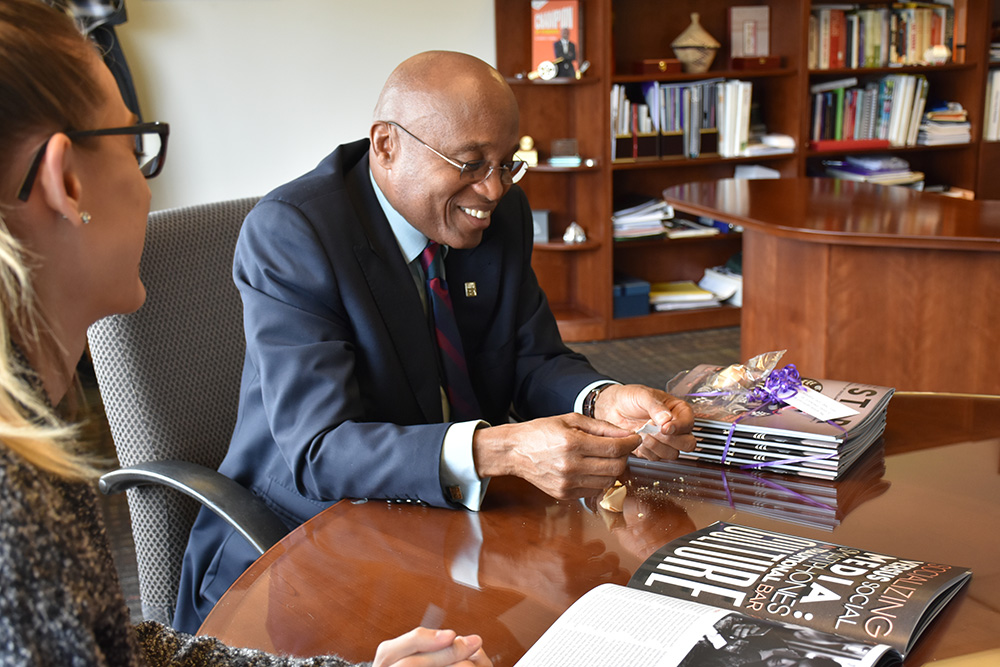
[{"x": 169, "y": 377}]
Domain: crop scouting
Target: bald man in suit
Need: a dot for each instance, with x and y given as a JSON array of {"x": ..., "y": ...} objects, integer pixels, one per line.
[{"x": 343, "y": 393}]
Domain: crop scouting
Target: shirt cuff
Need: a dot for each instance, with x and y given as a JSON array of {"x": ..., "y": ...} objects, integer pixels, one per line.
[
  {"x": 458, "y": 469},
  {"x": 582, "y": 396}
]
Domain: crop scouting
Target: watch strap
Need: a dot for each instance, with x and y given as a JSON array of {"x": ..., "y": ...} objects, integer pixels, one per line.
[{"x": 591, "y": 399}]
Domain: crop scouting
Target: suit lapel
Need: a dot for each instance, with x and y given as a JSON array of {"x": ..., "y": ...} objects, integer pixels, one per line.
[{"x": 395, "y": 295}]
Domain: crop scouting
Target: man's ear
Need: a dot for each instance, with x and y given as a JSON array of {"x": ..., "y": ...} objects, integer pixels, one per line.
[
  {"x": 383, "y": 144},
  {"x": 58, "y": 178}
]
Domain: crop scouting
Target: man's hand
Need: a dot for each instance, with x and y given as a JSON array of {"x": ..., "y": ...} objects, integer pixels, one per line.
[
  {"x": 567, "y": 456},
  {"x": 422, "y": 647},
  {"x": 631, "y": 406}
]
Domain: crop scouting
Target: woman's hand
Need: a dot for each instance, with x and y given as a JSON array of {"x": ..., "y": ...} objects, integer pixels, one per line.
[{"x": 423, "y": 647}]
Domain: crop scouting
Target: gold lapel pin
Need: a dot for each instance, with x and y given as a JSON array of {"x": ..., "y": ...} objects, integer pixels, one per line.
[{"x": 470, "y": 289}]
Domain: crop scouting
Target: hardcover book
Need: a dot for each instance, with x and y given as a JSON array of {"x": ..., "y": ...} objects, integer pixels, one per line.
[
  {"x": 556, "y": 37},
  {"x": 731, "y": 595}
]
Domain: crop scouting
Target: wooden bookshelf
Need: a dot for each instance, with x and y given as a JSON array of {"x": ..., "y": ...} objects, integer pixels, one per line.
[
  {"x": 619, "y": 33},
  {"x": 987, "y": 184}
]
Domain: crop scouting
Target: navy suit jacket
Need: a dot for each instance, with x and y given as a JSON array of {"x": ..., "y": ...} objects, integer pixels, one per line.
[
  {"x": 568, "y": 55},
  {"x": 340, "y": 394}
]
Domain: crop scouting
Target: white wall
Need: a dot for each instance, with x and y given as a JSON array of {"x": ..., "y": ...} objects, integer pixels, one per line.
[{"x": 258, "y": 91}]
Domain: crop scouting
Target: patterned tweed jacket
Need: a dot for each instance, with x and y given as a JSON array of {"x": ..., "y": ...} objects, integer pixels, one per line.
[{"x": 60, "y": 599}]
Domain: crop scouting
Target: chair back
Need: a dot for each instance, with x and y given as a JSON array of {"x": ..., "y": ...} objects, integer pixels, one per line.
[{"x": 169, "y": 376}]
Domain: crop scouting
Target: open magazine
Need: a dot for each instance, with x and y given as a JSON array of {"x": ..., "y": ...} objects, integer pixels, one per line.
[{"x": 731, "y": 594}]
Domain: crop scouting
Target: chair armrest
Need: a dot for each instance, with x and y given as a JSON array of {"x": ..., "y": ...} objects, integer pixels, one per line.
[{"x": 240, "y": 508}]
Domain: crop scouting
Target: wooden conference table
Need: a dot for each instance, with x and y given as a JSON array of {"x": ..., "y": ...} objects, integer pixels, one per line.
[
  {"x": 877, "y": 284},
  {"x": 361, "y": 572}
]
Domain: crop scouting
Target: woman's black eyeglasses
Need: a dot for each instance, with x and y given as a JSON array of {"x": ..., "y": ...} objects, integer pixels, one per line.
[{"x": 150, "y": 150}]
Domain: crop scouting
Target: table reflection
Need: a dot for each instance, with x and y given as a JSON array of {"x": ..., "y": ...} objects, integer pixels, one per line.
[{"x": 797, "y": 500}]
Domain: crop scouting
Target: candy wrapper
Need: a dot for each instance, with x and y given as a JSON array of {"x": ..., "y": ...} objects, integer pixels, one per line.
[{"x": 734, "y": 390}]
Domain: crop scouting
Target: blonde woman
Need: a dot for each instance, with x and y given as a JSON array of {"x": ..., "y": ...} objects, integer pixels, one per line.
[{"x": 73, "y": 208}]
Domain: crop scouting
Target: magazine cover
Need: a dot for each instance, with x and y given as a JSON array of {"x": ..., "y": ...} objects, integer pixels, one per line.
[
  {"x": 850, "y": 592},
  {"x": 730, "y": 594},
  {"x": 556, "y": 37}
]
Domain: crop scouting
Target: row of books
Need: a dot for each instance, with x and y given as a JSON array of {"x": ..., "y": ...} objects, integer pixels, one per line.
[
  {"x": 654, "y": 119},
  {"x": 890, "y": 108},
  {"x": 902, "y": 33}
]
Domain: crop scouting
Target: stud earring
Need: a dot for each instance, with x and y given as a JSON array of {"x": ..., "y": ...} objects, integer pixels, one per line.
[{"x": 85, "y": 217}]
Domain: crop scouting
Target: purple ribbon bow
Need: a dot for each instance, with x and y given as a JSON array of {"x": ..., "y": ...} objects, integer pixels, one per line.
[{"x": 778, "y": 386}]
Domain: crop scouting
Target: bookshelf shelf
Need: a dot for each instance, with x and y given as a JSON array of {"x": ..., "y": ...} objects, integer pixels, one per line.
[
  {"x": 905, "y": 69},
  {"x": 892, "y": 149},
  {"x": 585, "y": 80},
  {"x": 680, "y": 161},
  {"x": 726, "y": 74},
  {"x": 620, "y": 33},
  {"x": 661, "y": 323},
  {"x": 548, "y": 168},
  {"x": 634, "y": 244},
  {"x": 560, "y": 246}
]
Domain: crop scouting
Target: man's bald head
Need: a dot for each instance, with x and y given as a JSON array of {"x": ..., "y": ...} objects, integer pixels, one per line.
[
  {"x": 464, "y": 113},
  {"x": 436, "y": 87}
]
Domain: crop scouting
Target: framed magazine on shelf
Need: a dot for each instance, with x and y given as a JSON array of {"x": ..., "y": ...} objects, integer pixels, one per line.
[{"x": 556, "y": 38}]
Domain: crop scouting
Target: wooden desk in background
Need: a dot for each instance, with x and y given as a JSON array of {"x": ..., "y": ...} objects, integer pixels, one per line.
[
  {"x": 861, "y": 282},
  {"x": 362, "y": 572}
]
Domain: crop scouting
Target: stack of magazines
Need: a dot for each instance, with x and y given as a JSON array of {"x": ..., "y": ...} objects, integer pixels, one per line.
[
  {"x": 643, "y": 220},
  {"x": 736, "y": 430},
  {"x": 946, "y": 125},
  {"x": 681, "y": 295},
  {"x": 880, "y": 169},
  {"x": 725, "y": 283}
]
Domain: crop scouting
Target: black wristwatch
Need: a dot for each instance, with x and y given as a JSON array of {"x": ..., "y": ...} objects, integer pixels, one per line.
[{"x": 591, "y": 399}]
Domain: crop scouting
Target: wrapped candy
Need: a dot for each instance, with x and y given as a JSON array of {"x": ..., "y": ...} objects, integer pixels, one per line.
[{"x": 726, "y": 393}]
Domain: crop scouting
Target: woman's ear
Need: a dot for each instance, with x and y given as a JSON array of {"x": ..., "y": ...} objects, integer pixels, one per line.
[
  {"x": 57, "y": 176},
  {"x": 383, "y": 144}
]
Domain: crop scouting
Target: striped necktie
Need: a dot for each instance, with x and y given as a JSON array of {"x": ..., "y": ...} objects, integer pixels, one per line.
[{"x": 457, "y": 385}]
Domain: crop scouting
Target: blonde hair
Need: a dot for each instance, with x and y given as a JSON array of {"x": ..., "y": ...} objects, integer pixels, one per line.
[{"x": 45, "y": 87}]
